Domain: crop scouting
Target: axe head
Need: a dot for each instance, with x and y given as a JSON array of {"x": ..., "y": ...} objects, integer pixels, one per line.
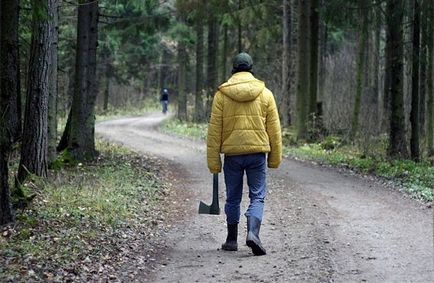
[{"x": 213, "y": 209}]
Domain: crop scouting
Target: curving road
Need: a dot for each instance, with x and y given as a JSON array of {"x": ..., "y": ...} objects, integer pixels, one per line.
[{"x": 320, "y": 225}]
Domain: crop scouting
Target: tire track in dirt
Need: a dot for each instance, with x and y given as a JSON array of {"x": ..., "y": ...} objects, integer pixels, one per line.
[{"x": 319, "y": 226}]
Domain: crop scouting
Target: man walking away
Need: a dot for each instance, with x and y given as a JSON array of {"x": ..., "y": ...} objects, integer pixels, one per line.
[
  {"x": 164, "y": 99},
  {"x": 245, "y": 127}
]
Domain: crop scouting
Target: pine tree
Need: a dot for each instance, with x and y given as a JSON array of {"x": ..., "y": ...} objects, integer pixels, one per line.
[
  {"x": 414, "y": 115},
  {"x": 34, "y": 150},
  {"x": 313, "y": 66},
  {"x": 303, "y": 68},
  {"x": 79, "y": 134},
  {"x": 9, "y": 91},
  {"x": 430, "y": 67},
  {"x": 394, "y": 69},
  {"x": 286, "y": 64},
  {"x": 361, "y": 61}
]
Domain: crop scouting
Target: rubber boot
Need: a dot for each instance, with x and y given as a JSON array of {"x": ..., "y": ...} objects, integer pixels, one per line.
[
  {"x": 253, "y": 241},
  {"x": 231, "y": 240}
]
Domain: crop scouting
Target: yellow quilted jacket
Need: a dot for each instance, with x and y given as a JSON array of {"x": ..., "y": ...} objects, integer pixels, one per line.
[{"x": 244, "y": 119}]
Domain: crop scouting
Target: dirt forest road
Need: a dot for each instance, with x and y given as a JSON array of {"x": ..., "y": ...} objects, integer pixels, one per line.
[{"x": 320, "y": 225}]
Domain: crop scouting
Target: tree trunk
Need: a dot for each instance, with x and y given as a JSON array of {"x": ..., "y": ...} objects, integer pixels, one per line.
[
  {"x": 81, "y": 141},
  {"x": 239, "y": 26},
  {"x": 34, "y": 150},
  {"x": 182, "y": 73},
  {"x": 414, "y": 114},
  {"x": 376, "y": 65},
  {"x": 108, "y": 74},
  {"x": 63, "y": 143},
  {"x": 160, "y": 77},
  {"x": 212, "y": 59},
  {"x": 53, "y": 87},
  {"x": 224, "y": 53},
  {"x": 199, "y": 111},
  {"x": 430, "y": 77},
  {"x": 294, "y": 61},
  {"x": 322, "y": 59},
  {"x": 303, "y": 68},
  {"x": 423, "y": 57},
  {"x": 394, "y": 57},
  {"x": 9, "y": 71},
  {"x": 363, "y": 34},
  {"x": 106, "y": 93},
  {"x": 9, "y": 90},
  {"x": 286, "y": 65},
  {"x": 313, "y": 66},
  {"x": 6, "y": 213}
]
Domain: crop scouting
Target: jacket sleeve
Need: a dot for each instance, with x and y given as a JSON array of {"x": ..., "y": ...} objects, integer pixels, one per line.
[
  {"x": 274, "y": 134},
  {"x": 214, "y": 137}
]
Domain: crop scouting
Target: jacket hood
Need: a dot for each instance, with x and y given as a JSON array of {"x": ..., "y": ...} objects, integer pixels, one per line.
[{"x": 242, "y": 87}]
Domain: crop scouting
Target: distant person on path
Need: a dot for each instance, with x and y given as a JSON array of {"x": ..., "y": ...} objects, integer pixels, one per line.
[
  {"x": 164, "y": 99},
  {"x": 245, "y": 127}
]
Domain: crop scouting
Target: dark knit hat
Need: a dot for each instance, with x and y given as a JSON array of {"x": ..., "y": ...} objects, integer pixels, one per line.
[{"x": 242, "y": 62}]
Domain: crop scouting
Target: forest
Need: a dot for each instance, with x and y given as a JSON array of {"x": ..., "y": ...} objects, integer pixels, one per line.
[
  {"x": 354, "y": 74},
  {"x": 343, "y": 72}
]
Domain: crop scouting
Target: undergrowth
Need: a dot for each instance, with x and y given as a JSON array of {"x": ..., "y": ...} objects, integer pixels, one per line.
[
  {"x": 187, "y": 129},
  {"x": 417, "y": 178},
  {"x": 75, "y": 213},
  {"x": 150, "y": 104}
]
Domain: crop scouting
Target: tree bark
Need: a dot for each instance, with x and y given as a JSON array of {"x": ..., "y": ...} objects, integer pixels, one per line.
[
  {"x": 363, "y": 34},
  {"x": 322, "y": 58},
  {"x": 199, "y": 111},
  {"x": 81, "y": 142},
  {"x": 53, "y": 87},
  {"x": 6, "y": 213},
  {"x": 313, "y": 66},
  {"x": 294, "y": 61},
  {"x": 182, "y": 73},
  {"x": 376, "y": 63},
  {"x": 212, "y": 59},
  {"x": 414, "y": 114},
  {"x": 423, "y": 60},
  {"x": 430, "y": 75},
  {"x": 9, "y": 90},
  {"x": 107, "y": 90},
  {"x": 239, "y": 26},
  {"x": 224, "y": 53},
  {"x": 303, "y": 68},
  {"x": 9, "y": 71},
  {"x": 286, "y": 65},
  {"x": 34, "y": 150},
  {"x": 108, "y": 75},
  {"x": 63, "y": 143},
  {"x": 394, "y": 57}
]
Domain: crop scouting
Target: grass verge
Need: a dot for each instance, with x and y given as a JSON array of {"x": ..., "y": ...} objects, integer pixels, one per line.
[
  {"x": 417, "y": 179},
  {"x": 72, "y": 229},
  {"x": 149, "y": 105},
  {"x": 185, "y": 129}
]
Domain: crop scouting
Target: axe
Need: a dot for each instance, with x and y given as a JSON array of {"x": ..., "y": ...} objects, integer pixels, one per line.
[{"x": 214, "y": 207}]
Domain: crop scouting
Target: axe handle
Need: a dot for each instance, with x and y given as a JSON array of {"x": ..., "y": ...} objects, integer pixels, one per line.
[{"x": 215, "y": 190}]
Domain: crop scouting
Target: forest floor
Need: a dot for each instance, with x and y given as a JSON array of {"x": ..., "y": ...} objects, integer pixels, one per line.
[{"x": 321, "y": 224}]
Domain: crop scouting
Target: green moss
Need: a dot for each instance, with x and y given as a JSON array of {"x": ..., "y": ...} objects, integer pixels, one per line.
[{"x": 65, "y": 158}]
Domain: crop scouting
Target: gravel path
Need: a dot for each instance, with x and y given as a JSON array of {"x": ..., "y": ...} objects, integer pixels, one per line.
[{"x": 320, "y": 225}]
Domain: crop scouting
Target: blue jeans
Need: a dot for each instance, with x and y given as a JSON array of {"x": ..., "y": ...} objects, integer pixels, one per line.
[
  {"x": 164, "y": 104},
  {"x": 255, "y": 167}
]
